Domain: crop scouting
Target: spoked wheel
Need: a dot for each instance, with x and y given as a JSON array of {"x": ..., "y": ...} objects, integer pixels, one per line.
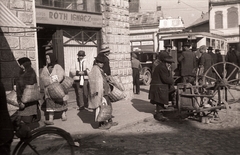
[
  {"x": 47, "y": 141},
  {"x": 227, "y": 76},
  {"x": 146, "y": 77},
  {"x": 218, "y": 112}
]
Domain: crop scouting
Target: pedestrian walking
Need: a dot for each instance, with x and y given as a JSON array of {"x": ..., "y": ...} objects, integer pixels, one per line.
[
  {"x": 6, "y": 127},
  {"x": 187, "y": 62},
  {"x": 161, "y": 87},
  {"x": 136, "y": 68},
  {"x": 28, "y": 110},
  {"x": 79, "y": 72},
  {"x": 103, "y": 54},
  {"x": 99, "y": 89},
  {"x": 50, "y": 74}
]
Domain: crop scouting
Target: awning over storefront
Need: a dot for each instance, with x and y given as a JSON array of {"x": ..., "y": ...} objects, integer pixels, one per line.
[{"x": 8, "y": 19}]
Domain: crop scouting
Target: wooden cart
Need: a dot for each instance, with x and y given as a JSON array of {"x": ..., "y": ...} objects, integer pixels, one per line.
[{"x": 212, "y": 97}]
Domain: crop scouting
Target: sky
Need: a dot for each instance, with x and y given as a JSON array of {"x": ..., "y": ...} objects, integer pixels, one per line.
[{"x": 188, "y": 10}]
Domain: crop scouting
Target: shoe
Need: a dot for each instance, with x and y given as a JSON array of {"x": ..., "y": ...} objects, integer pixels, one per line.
[
  {"x": 160, "y": 117},
  {"x": 64, "y": 118},
  {"x": 48, "y": 122},
  {"x": 105, "y": 126},
  {"x": 113, "y": 123}
]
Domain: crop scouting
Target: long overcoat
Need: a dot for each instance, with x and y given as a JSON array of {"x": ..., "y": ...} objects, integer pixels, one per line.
[
  {"x": 160, "y": 84},
  {"x": 187, "y": 62}
]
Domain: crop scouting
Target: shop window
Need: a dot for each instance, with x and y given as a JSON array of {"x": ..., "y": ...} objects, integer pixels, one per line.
[
  {"x": 79, "y": 5},
  {"x": 79, "y": 37},
  {"x": 218, "y": 20},
  {"x": 232, "y": 17}
]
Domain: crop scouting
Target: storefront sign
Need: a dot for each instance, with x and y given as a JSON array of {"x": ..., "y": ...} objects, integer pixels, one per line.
[
  {"x": 147, "y": 42},
  {"x": 233, "y": 39},
  {"x": 57, "y": 17},
  {"x": 141, "y": 37}
]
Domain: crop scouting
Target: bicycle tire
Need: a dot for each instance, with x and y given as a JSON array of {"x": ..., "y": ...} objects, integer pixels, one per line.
[{"x": 47, "y": 133}]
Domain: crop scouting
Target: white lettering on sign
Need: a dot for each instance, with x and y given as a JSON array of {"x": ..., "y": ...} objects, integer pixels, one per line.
[
  {"x": 141, "y": 37},
  {"x": 135, "y": 43},
  {"x": 147, "y": 42},
  {"x": 48, "y": 16},
  {"x": 232, "y": 39}
]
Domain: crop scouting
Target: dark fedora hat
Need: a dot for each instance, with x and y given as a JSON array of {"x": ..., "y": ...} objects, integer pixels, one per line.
[
  {"x": 188, "y": 44},
  {"x": 104, "y": 50},
  {"x": 168, "y": 59},
  {"x": 210, "y": 48},
  {"x": 81, "y": 53},
  {"x": 100, "y": 58}
]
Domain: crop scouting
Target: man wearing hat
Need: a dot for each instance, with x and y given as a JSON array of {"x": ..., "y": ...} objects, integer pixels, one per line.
[
  {"x": 79, "y": 72},
  {"x": 160, "y": 85},
  {"x": 105, "y": 53},
  {"x": 161, "y": 55},
  {"x": 187, "y": 62},
  {"x": 136, "y": 68}
]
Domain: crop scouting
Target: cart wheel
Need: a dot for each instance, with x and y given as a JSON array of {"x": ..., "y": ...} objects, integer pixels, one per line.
[
  {"x": 227, "y": 75},
  {"x": 220, "y": 114}
]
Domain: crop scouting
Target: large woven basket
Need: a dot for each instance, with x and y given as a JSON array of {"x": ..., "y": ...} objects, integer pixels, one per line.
[
  {"x": 116, "y": 81},
  {"x": 67, "y": 83},
  {"x": 116, "y": 94},
  {"x": 56, "y": 91}
]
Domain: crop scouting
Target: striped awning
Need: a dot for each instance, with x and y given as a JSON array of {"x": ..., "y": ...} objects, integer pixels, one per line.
[{"x": 8, "y": 19}]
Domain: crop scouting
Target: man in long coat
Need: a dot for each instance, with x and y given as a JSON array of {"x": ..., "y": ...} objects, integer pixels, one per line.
[
  {"x": 160, "y": 86},
  {"x": 187, "y": 62}
]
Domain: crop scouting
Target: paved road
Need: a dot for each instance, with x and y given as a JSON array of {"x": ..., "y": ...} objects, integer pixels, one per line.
[{"x": 174, "y": 137}]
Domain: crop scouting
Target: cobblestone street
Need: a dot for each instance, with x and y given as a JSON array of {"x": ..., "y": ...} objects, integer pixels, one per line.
[{"x": 173, "y": 137}]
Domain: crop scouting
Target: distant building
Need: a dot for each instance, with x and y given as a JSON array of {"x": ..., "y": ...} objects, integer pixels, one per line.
[{"x": 224, "y": 19}]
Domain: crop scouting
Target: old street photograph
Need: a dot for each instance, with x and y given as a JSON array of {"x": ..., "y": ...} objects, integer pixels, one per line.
[{"x": 119, "y": 77}]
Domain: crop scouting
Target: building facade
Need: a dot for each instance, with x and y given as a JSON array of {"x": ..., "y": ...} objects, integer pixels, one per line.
[
  {"x": 65, "y": 27},
  {"x": 224, "y": 19}
]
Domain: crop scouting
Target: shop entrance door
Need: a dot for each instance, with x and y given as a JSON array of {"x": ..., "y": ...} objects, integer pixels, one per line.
[{"x": 75, "y": 40}]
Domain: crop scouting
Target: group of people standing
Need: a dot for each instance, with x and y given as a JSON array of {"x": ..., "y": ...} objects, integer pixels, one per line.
[{"x": 192, "y": 64}]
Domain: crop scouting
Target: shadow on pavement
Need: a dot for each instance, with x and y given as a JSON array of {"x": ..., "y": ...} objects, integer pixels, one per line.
[
  {"x": 143, "y": 106},
  {"x": 88, "y": 117}
]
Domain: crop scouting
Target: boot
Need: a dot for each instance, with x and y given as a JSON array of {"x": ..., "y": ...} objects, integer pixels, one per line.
[
  {"x": 50, "y": 121},
  {"x": 64, "y": 116}
]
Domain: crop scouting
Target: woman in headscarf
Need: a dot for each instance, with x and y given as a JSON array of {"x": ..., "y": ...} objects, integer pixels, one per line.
[
  {"x": 51, "y": 73},
  {"x": 27, "y": 76},
  {"x": 98, "y": 89}
]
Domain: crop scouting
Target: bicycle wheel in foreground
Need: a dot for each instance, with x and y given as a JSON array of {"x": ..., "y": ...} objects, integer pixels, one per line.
[{"x": 48, "y": 141}]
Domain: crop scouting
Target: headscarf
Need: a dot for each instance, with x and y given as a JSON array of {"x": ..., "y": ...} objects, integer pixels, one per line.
[
  {"x": 53, "y": 59},
  {"x": 26, "y": 62}
]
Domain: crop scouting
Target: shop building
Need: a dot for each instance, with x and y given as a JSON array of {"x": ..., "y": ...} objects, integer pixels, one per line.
[{"x": 67, "y": 26}]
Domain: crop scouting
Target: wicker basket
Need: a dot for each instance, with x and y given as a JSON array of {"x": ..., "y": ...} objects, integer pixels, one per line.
[
  {"x": 56, "y": 91},
  {"x": 67, "y": 83},
  {"x": 116, "y": 94},
  {"x": 116, "y": 81}
]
